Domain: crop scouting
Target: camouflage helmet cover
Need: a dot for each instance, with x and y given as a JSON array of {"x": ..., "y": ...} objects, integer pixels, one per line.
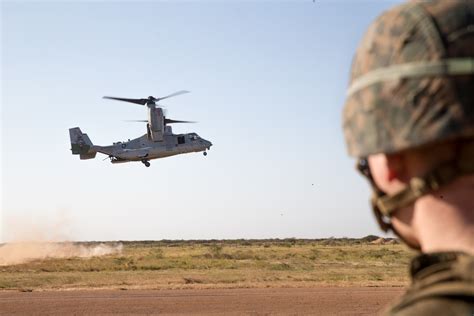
[{"x": 390, "y": 114}]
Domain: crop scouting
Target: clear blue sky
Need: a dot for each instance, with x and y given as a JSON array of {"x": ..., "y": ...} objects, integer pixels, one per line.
[{"x": 267, "y": 82}]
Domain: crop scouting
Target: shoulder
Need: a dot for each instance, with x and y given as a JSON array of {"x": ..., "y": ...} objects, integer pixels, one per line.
[
  {"x": 442, "y": 284},
  {"x": 435, "y": 306}
]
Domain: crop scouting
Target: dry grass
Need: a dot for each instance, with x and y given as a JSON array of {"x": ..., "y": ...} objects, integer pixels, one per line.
[{"x": 216, "y": 264}]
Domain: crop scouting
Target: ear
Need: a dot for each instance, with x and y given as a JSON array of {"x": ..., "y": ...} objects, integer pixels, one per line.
[{"x": 395, "y": 166}]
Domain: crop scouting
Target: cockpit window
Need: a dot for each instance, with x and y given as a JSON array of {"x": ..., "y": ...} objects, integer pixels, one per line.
[{"x": 193, "y": 136}]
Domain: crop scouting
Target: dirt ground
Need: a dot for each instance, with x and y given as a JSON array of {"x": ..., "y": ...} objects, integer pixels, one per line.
[{"x": 269, "y": 301}]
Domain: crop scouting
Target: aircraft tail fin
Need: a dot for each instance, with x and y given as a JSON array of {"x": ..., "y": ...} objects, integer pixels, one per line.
[{"x": 81, "y": 144}]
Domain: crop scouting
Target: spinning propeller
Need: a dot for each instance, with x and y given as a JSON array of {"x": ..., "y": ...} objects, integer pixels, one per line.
[
  {"x": 166, "y": 120},
  {"x": 150, "y": 101}
]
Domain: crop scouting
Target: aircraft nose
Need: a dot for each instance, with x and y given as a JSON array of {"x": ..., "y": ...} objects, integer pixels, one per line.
[
  {"x": 204, "y": 142},
  {"x": 208, "y": 144}
]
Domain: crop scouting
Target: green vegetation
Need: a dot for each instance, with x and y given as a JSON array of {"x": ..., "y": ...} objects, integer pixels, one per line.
[{"x": 213, "y": 264}]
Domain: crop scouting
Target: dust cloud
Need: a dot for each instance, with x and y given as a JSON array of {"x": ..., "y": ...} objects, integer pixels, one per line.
[
  {"x": 22, "y": 252},
  {"x": 30, "y": 240}
]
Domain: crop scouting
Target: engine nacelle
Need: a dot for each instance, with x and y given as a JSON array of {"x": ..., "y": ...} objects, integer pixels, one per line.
[{"x": 157, "y": 124}]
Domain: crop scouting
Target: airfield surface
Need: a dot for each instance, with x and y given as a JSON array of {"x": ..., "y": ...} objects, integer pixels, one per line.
[
  {"x": 274, "y": 301},
  {"x": 232, "y": 277}
]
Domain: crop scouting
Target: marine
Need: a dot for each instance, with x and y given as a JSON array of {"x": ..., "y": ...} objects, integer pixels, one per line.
[{"x": 408, "y": 119}]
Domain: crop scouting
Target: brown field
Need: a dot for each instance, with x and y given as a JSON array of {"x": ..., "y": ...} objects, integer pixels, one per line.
[
  {"x": 218, "y": 264},
  {"x": 251, "y": 277}
]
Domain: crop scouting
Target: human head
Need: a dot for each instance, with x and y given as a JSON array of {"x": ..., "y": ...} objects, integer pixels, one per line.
[{"x": 411, "y": 93}]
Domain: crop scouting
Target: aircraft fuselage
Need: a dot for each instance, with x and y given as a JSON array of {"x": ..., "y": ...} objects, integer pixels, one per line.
[{"x": 142, "y": 148}]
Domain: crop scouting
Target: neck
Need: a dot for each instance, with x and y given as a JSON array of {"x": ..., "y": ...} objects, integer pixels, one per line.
[{"x": 444, "y": 220}]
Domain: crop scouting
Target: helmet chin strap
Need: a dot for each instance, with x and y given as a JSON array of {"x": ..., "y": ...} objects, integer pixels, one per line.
[
  {"x": 385, "y": 223},
  {"x": 384, "y": 205}
]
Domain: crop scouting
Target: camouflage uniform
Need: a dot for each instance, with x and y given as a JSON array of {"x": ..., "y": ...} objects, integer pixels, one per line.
[
  {"x": 443, "y": 285},
  {"x": 412, "y": 85}
]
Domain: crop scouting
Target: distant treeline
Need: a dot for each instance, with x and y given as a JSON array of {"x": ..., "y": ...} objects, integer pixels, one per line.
[{"x": 285, "y": 242}]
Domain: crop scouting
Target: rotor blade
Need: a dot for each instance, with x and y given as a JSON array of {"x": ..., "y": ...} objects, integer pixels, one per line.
[
  {"x": 136, "y": 101},
  {"x": 170, "y": 121},
  {"x": 172, "y": 95},
  {"x": 143, "y": 121}
]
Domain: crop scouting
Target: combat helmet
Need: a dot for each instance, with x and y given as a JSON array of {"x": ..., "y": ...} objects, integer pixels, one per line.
[{"x": 412, "y": 84}]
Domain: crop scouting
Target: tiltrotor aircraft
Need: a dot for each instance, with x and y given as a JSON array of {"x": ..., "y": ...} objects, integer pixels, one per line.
[{"x": 158, "y": 142}]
